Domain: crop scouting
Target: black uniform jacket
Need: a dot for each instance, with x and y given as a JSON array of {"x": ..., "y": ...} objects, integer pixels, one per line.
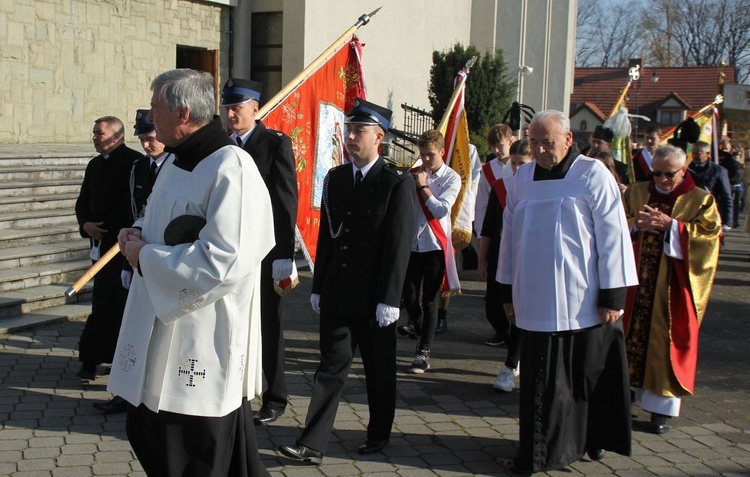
[
  {"x": 366, "y": 264},
  {"x": 272, "y": 152}
]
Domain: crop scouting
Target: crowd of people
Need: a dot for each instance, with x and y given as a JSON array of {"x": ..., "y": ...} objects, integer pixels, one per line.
[{"x": 205, "y": 223}]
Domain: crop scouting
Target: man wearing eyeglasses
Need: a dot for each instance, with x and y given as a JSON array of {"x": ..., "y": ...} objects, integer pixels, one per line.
[
  {"x": 675, "y": 227},
  {"x": 714, "y": 179}
]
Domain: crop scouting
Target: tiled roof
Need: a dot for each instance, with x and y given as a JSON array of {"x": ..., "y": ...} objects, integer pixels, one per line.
[
  {"x": 696, "y": 86},
  {"x": 591, "y": 107}
]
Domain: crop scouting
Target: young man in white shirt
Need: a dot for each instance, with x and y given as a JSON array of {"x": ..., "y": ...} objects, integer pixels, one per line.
[{"x": 431, "y": 262}]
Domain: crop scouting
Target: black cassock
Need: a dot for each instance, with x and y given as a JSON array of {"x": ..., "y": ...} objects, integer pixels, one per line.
[{"x": 105, "y": 197}]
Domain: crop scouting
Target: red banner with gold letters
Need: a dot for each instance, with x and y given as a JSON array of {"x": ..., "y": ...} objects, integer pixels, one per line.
[{"x": 312, "y": 115}]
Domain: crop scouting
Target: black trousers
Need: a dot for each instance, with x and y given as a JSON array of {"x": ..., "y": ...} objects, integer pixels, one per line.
[
  {"x": 274, "y": 353},
  {"x": 493, "y": 305},
  {"x": 178, "y": 445},
  {"x": 99, "y": 337},
  {"x": 424, "y": 272},
  {"x": 339, "y": 337},
  {"x": 736, "y": 205}
]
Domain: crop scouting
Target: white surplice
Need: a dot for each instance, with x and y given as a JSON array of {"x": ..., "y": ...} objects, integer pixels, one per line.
[
  {"x": 562, "y": 241},
  {"x": 190, "y": 338}
]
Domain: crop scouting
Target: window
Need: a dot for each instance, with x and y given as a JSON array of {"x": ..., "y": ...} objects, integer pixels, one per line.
[
  {"x": 584, "y": 126},
  {"x": 266, "y": 47},
  {"x": 670, "y": 117}
]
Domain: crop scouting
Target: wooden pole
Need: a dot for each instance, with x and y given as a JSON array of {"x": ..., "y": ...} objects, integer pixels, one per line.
[{"x": 98, "y": 265}]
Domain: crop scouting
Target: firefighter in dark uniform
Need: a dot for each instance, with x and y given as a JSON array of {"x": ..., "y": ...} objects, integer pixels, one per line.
[
  {"x": 272, "y": 152},
  {"x": 367, "y": 223}
]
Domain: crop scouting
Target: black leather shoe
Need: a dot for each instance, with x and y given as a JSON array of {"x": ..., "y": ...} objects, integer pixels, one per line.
[
  {"x": 266, "y": 416},
  {"x": 372, "y": 447},
  {"x": 408, "y": 329},
  {"x": 114, "y": 405},
  {"x": 87, "y": 373},
  {"x": 302, "y": 453},
  {"x": 659, "y": 423},
  {"x": 596, "y": 454},
  {"x": 442, "y": 326}
]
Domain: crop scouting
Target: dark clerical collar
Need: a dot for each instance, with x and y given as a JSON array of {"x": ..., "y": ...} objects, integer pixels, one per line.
[
  {"x": 558, "y": 171},
  {"x": 201, "y": 144},
  {"x": 685, "y": 186}
]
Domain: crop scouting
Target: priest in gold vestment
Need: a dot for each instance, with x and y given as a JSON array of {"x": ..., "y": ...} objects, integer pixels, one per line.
[{"x": 675, "y": 228}]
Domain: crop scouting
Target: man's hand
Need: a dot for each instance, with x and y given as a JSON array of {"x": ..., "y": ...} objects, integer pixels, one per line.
[
  {"x": 93, "y": 230},
  {"x": 482, "y": 270},
  {"x": 608, "y": 315},
  {"x": 132, "y": 249},
  {"x": 122, "y": 236},
  {"x": 510, "y": 313},
  {"x": 420, "y": 177},
  {"x": 652, "y": 220},
  {"x": 315, "y": 302}
]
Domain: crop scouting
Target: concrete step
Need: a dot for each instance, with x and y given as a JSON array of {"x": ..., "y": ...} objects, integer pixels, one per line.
[
  {"x": 18, "y": 257},
  {"x": 41, "y": 172},
  {"x": 11, "y": 238},
  {"x": 19, "y": 302},
  {"x": 44, "y": 274},
  {"x": 73, "y": 311},
  {"x": 32, "y": 188},
  {"x": 46, "y": 154},
  {"x": 37, "y": 218},
  {"x": 38, "y": 202}
]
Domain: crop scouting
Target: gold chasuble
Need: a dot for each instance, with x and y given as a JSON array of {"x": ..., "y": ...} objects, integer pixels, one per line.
[{"x": 664, "y": 312}]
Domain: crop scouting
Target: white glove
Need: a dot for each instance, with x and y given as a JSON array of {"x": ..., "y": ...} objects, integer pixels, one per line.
[
  {"x": 386, "y": 314},
  {"x": 315, "y": 302},
  {"x": 125, "y": 278},
  {"x": 281, "y": 268}
]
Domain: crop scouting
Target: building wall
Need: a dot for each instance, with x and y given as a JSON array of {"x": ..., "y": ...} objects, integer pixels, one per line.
[
  {"x": 535, "y": 33},
  {"x": 399, "y": 41},
  {"x": 64, "y": 63}
]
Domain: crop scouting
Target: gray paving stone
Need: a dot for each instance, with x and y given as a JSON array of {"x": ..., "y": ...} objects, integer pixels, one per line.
[
  {"x": 449, "y": 422},
  {"x": 31, "y": 464}
]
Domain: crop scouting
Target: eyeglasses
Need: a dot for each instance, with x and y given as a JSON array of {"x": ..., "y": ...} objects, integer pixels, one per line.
[{"x": 668, "y": 174}]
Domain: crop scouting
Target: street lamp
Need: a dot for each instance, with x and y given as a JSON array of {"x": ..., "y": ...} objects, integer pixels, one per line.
[{"x": 523, "y": 70}]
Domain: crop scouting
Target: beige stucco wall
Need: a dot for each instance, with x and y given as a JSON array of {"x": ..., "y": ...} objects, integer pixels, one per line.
[{"x": 64, "y": 63}]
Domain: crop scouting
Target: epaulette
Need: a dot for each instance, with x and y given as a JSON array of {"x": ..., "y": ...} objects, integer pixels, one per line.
[
  {"x": 401, "y": 173},
  {"x": 275, "y": 134}
]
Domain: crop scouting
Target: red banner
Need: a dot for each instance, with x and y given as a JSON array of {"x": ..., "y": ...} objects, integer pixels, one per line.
[{"x": 313, "y": 117}]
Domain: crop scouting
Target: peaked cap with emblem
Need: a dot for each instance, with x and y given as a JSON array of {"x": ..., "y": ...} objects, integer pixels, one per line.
[
  {"x": 365, "y": 112},
  {"x": 605, "y": 134},
  {"x": 142, "y": 125},
  {"x": 238, "y": 90}
]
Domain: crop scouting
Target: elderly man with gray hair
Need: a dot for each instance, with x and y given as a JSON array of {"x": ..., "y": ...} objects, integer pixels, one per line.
[
  {"x": 189, "y": 354},
  {"x": 566, "y": 260},
  {"x": 675, "y": 227}
]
